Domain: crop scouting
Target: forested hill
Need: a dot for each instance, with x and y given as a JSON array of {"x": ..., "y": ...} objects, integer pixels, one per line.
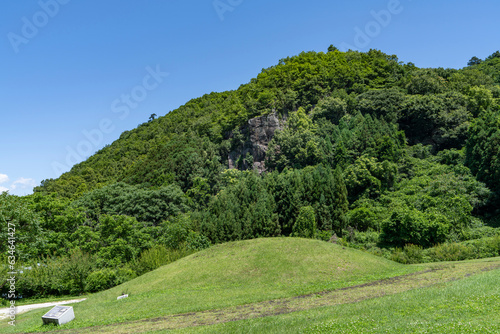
[
  {"x": 382, "y": 154},
  {"x": 193, "y": 141},
  {"x": 432, "y": 106}
]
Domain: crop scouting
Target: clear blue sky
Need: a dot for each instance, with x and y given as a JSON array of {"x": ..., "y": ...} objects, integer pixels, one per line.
[{"x": 70, "y": 66}]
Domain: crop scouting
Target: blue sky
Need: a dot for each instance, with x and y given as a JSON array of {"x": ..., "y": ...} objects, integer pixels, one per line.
[{"x": 75, "y": 74}]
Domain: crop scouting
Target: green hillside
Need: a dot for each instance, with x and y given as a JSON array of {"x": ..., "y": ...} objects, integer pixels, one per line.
[{"x": 358, "y": 148}]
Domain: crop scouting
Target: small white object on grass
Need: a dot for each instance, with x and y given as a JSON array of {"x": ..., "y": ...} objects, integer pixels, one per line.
[
  {"x": 122, "y": 296},
  {"x": 58, "y": 315}
]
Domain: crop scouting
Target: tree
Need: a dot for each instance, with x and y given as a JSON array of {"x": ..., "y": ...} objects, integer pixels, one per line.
[
  {"x": 146, "y": 205},
  {"x": 483, "y": 149},
  {"x": 152, "y": 117},
  {"x": 243, "y": 210},
  {"x": 297, "y": 145},
  {"x": 494, "y": 55},
  {"x": 410, "y": 226},
  {"x": 331, "y": 108},
  {"x": 368, "y": 178},
  {"x": 175, "y": 231},
  {"x": 441, "y": 120},
  {"x": 20, "y": 226},
  {"x": 341, "y": 203},
  {"x": 480, "y": 99},
  {"x": 426, "y": 82},
  {"x": 332, "y": 48},
  {"x": 474, "y": 61},
  {"x": 362, "y": 219},
  {"x": 464, "y": 79},
  {"x": 305, "y": 225},
  {"x": 123, "y": 238},
  {"x": 285, "y": 187},
  {"x": 385, "y": 104}
]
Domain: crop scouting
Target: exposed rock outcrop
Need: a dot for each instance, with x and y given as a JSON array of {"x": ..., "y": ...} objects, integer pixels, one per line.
[{"x": 258, "y": 132}]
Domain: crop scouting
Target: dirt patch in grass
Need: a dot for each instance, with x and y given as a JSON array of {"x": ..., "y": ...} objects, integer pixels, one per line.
[{"x": 439, "y": 274}]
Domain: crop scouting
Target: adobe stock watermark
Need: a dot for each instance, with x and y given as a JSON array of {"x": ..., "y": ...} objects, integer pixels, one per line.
[
  {"x": 31, "y": 26},
  {"x": 224, "y": 6},
  {"x": 372, "y": 29},
  {"x": 122, "y": 107},
  {"x": 11, "y": 271}
]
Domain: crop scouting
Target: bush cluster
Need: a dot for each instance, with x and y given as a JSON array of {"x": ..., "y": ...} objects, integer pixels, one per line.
[{"x": 457, "y": 251}]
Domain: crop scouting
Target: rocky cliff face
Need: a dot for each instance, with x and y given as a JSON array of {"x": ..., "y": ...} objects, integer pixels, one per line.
[{"x": 259, "y": 131}]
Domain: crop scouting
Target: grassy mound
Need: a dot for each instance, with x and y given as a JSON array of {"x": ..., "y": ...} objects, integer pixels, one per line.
[{"x": 226, "y": 275}]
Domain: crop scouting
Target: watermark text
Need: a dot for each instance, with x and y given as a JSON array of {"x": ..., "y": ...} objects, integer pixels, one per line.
[
  {"x": 122, "y": 107},
  {"x": 223, "y": 6},
  {"x": 32, "y": 26},
  {"x": 11, "y": 274},
  {"x": 373, "y": 28}
]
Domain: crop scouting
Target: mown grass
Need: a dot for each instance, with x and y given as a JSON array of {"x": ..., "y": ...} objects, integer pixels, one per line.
[
  {"x": 227, "y": 275},
  {"x": 439, "y": 274},
  {"x": 469, "y": 305}
]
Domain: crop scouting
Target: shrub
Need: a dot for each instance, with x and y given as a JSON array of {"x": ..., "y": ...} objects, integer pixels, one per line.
[
  {"x": 410, "y": 254},
  {"x": 76, "y": 269},
  {"x": 369, "y": 238},
  {"x": 382, "y": 252},
  {"x": 479, "y": 232},
  {"x": 151, "y": 259},
  {"x": 101, "y": 280},
  {"x": 449, "y": 252},
  {"x": 55, "y": 276},
  {"x": 410, "y": 226},
  {"x": 469, "y": 250},
  {"x": 483, "y": 248},
  {"x": 196, "y": 241},
  {"x": 156, "y": 257},
  {"x": 125, "y": 274},
  {"x": 414, "y": 253},
  {"x": 398, "y": 255},
  {"x": 324, "y": 235}
]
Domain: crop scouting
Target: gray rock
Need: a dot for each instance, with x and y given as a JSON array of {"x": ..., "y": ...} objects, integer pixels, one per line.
[{"x": 259, "y": 131}]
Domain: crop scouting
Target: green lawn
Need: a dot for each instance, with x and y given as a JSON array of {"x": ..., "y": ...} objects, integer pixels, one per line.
[
  {"x": 470, "y": 305},
  {"x": 227, "y": 275}
]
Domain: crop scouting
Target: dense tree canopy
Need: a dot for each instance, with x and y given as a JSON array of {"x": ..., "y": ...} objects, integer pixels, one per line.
[{"x": 483, "y": 148}]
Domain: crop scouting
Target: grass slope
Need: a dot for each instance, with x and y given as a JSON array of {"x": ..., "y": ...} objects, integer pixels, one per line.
[
  {"x": 227, "y": 275},
  {"x": 468, "y": 305}
]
